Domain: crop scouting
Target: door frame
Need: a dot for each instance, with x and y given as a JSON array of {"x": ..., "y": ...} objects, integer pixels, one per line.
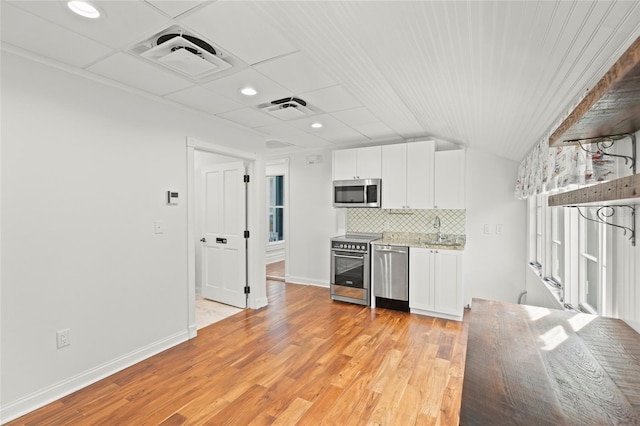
[{"x": 256, "y": 209}]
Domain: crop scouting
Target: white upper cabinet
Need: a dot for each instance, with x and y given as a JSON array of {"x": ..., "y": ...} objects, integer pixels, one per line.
[
  {"x": 449, "y": 179},
  {"x": 394, "y": 176},
  {"x": 357, "y": 163},
  {"x": 420, "y": 157},
  {"x": 407, "y": 175}
]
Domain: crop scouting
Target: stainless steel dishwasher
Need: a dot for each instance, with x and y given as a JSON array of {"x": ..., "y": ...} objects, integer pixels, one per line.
[{"x": 390, "y": 275}]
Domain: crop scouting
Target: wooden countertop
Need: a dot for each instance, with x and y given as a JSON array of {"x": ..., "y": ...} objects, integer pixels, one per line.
[{"x": 527, "y": 365}]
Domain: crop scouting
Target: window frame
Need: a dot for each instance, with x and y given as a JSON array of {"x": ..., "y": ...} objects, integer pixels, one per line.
[{"x": 281, "y": 206}]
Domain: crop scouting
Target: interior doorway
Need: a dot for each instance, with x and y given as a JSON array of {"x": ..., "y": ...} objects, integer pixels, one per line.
[{"x": 207, "y": 164}]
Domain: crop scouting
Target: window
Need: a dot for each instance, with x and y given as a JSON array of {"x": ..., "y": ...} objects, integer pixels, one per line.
[
  {"x": 538, "y": 203},
  {"x": 557, "y": 245},
  {"x": 592, "y": 268},
  {"x": 275, "y": 198}
]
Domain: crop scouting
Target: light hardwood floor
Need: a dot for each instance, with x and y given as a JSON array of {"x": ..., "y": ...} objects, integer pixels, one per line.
[
  {"x": 275, "y": 271},
  {"x": 302, "y": 360}
]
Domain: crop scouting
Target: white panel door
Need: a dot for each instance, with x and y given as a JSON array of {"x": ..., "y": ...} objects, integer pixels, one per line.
[
  {"x": 394, "y": 176},
  {"x": 421, "y": 295},
  {"x": 448, "y": 282},
  {"x": 223, "y": 258},
  {"x": 420, "y": 174}
]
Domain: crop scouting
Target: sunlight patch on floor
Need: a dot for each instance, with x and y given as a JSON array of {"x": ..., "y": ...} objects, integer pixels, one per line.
[{"x": 209, "y": 312}]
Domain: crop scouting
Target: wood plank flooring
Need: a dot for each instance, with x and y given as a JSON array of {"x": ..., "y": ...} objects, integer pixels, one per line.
[
  {"x": 275, "y": 271},
  {"x": 302, "y": 360}
]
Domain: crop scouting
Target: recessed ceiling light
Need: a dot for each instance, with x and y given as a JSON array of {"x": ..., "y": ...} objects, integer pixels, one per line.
[
  {"x": 316, "y": 125},
  {"x": 83, "y": 8},
  {"x": 249, "y": 91}
]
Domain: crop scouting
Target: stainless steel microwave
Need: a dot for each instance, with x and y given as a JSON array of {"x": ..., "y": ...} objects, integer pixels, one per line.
[{"x": 357, "y": 193}]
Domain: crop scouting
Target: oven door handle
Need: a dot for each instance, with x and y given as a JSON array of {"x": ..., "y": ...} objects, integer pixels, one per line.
[{"x": 349, "y": 257}]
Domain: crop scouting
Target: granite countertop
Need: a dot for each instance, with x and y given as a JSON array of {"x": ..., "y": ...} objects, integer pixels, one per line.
[{"x": 418, "y": 240}]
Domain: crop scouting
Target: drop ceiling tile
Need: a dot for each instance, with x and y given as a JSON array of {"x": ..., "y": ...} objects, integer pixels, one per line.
[
  {"x": 174, "y": 8},
  {"x": 139, "y": 74},
  {"x": 204, "y": 100},
  {"x": 328, "y": 123},
  {"x": 249, "y": 117},
  {"x": 280, "y": 130},
  {"x": 296, "y": 72},
  {"x": 331, "y": 99},
  {"x": 237, "y": 27},
  {"x": 308, "y": 141},
  {"x": 344, "y": 135},
  {"x": 230, "y": 88},
  {"x": 49, "y": 40},
  {"x": 121, "y": 23},
  {"x": 376, "y": 131},
  {"x": 355, "y": 116}
]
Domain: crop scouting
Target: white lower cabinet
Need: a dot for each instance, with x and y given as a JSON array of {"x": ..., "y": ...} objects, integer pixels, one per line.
[{"x": 435, "y": 282}]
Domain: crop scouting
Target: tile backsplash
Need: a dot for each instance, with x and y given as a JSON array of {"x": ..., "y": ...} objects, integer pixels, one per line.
[{"x": 382, "y": 220}]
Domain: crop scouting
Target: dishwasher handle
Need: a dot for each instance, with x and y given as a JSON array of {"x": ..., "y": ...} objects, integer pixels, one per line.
[{"x": 384, "y": 249}]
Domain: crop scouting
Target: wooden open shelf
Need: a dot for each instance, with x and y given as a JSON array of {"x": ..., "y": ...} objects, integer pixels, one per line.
[
  {"x": 612, "y": 107},
  {"x": 625, "y": 190}
]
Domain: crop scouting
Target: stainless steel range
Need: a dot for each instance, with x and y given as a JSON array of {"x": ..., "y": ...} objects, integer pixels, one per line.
[{"x": 350, "y": 268}]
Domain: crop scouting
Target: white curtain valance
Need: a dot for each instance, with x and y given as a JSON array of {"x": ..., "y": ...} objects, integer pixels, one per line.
[{"x": 547, "y": 169}]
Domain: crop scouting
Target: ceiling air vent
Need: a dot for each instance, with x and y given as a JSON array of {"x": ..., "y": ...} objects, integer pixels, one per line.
[
  {"x": 287, "y": 108},
  {"x": 186, "y": 54}
]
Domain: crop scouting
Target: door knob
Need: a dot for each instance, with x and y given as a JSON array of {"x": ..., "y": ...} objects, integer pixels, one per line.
[{"x": 203, "y": 239}]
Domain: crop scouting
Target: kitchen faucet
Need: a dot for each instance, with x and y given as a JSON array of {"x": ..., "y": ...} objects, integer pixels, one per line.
[{"x": 436, "y": 225}]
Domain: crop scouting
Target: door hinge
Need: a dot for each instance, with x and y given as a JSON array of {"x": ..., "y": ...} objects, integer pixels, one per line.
[
  {"x": 246, "y": 178},
  {"x": 247, "y": 289},
  {"x": 246, "y": 234}
]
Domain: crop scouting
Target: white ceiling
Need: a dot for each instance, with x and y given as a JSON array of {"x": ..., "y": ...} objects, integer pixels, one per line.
[{"x": 492, "y": 75}]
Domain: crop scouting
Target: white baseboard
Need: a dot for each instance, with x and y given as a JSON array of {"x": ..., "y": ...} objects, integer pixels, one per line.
[
  {"x": 436, "y": 314},
  {"x": 40, "y": 398},
  {"x": 306, "y": 281},
  {"x": 274, "y": 256},
  {"x": 193, "y": 331}
]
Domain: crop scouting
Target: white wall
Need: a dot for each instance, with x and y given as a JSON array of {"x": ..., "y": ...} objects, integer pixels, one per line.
[
  {"x": 493, "y": 263},
  {"x": 85, "y": 168},
  {"x": 312, "y": 219}
]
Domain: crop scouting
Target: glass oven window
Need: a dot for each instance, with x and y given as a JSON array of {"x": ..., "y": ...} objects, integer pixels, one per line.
[{"x": 349, "y": 270}]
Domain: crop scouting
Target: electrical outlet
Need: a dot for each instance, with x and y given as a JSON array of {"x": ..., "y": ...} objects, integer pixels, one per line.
[
  {"x": 499, "y": 229},
  {"x": 487, "y": 228},
  {"x": 64, "y": 337}
]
